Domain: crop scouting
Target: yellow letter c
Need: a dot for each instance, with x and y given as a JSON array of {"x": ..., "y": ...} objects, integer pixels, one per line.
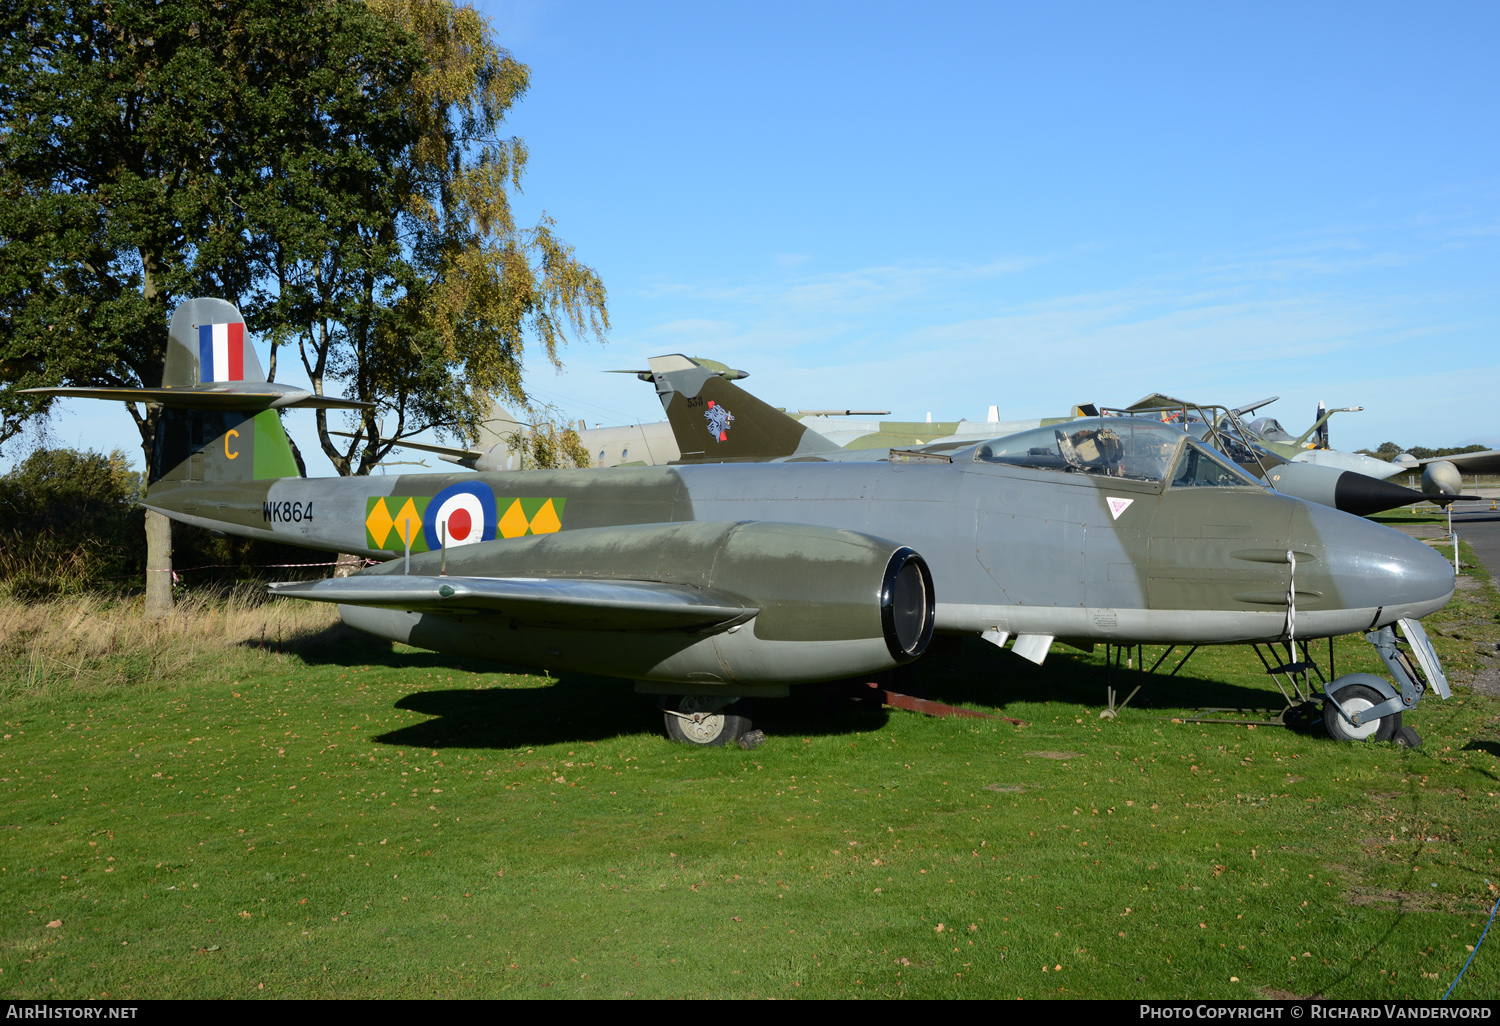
[{"x": 227, "y": 453}]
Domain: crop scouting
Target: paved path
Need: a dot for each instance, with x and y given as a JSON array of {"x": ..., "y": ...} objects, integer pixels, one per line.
[{"x": 1477, "y": 524}]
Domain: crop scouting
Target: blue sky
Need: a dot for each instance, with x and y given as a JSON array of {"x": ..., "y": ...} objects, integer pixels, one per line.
[{"x": 941, "y": 207}]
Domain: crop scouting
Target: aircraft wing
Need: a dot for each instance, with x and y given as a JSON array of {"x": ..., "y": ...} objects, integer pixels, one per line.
[
  {"x": 209, "y": 398},
  {"x": 442, "y": 450},
  {"x": 579, "y": 604},
  {"x": 1486, "y": 462}
]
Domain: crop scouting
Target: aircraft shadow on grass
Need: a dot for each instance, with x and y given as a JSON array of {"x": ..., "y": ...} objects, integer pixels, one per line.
[
  {"x": 580, "y": 708},
  {"x": 1492, "y": 747},
  {"x": 987, "y": 676}
]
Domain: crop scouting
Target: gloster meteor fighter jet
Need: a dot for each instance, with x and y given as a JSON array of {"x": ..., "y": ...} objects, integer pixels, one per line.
[{"x": 706, "y": 582}]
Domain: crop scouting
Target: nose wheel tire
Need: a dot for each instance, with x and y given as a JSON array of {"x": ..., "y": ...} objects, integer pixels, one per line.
[
  {"x": 1406, "y": 737},
  {"x": 710, "y": 721},
  {"x": 1356, "y": 698}
]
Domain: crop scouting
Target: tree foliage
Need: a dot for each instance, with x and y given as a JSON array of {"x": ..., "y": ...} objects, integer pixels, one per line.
[
  {"x": 334, "y": 166},
  {"x": 70, "y": 521},
  {"x": 136, "y": 142},
  {"x": 418, "y": 294}
]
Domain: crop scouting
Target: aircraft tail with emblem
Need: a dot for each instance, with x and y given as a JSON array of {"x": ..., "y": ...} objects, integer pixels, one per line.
[{"x": 715, "y": 421}]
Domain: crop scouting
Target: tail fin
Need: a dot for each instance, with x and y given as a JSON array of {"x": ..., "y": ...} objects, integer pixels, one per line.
[
  {"x": 211, "y": 365},
  {"x": 714, "y": 420},
  {"x": 502, "y": 429},
  {"x": 218, "y": 422},
  {"x": 207, "y": 345},
  {"x": 220, "y": 447}
]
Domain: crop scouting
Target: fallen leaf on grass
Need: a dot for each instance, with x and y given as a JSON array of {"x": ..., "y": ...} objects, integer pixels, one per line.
[{"x": 55, "y": 923}]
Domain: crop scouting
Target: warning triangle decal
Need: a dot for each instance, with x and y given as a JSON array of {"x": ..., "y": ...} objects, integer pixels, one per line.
[{"x": 1118, "y": 506}]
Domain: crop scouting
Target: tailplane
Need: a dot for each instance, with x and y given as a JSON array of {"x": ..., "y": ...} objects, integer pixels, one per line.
[
  {"x": 211, "y": 365},
  {"x": 714, "y": 420},
  {"x": 208, "y": 349},
  {"x": 218, "y": 422}
]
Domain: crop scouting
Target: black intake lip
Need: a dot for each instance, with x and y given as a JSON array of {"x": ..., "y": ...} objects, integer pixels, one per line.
[
  {"x": 1362, "y": 495},
  {"x": 907, "y": 616}
]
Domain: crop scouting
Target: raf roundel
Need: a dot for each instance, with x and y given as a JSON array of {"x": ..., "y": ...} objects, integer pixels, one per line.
[{"x": 461, "y": 514}]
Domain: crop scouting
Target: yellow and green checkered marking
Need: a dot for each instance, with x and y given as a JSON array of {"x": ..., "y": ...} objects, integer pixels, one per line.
[{"x": 393, "y": 519}]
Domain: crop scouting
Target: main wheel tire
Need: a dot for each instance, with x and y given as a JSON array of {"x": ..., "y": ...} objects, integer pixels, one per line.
[
  {"x": 1356, "y": 698},
  {"x": 704, "y": 725}
]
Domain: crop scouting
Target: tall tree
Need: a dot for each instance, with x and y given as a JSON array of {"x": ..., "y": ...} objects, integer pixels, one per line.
[
  {"x": 331, "y": 165},
  {"x": 417, "y": 293}
]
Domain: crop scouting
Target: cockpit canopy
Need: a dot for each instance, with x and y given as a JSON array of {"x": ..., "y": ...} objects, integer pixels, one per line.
[
  {"x": 1130, "y": 447},
  {"x": 1133, "y": 448},
  {"x": 1271, "y": 430}
]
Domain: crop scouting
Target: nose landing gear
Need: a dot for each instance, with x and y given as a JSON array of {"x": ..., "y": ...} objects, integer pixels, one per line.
[
  {"x": 1363, "y": 707},
  {"x": 1348, "y": 720}
]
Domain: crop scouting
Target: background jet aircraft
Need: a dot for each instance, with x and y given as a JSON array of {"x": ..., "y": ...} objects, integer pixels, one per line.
[
  {"x": 1445, "y": 473},
  {"x": 655, "y": 444},
  {"x": 1312, "y": 446},
  {"x": 646, "y": 445},
  {"x": 711, "y": 581},
  {"x": 780, "y": 437}
]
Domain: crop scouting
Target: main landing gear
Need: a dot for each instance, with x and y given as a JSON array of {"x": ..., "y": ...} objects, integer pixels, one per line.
[{"x": 711, "y": 721}]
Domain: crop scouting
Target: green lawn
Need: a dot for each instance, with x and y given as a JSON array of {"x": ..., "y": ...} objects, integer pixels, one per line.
[{"x": 350, "y": 819}]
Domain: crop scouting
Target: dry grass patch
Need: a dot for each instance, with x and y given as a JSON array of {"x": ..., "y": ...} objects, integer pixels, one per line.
[{"x": 92, "y": 642}]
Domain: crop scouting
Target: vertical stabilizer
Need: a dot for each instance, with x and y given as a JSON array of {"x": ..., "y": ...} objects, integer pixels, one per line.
[
  {"x": 207, "y": 344},
  {"x": 500, "y": 428},
  {"x": 714, "y": 420}
]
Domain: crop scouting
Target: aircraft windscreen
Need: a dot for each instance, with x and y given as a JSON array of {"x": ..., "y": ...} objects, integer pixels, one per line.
[
  {"x": 1200, "y": 467},
  {"x": 1128, "y": 447}
]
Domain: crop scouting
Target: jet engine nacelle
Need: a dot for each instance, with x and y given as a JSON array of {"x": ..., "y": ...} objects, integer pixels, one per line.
[
  {"x": 821, "y": 603},
  {"x": 1442, "y": 477}
]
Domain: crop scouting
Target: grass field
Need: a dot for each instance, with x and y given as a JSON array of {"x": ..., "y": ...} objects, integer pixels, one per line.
[{"x": 214, "y": 813}]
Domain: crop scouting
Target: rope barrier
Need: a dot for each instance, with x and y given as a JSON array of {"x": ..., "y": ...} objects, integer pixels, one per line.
[
  {"x": 1474, "y": 952},
  {"x": 262, "y": 566}
]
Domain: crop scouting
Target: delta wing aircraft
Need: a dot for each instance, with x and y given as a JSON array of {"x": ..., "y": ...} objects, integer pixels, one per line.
[
  {"x": 1311, "y": 447},
  {"x": 705, "y": 582},
  {"x": 1442, "y": 476}
]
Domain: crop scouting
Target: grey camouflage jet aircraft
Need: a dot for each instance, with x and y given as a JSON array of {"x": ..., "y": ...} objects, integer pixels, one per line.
[{"x": 713, "y": 580}]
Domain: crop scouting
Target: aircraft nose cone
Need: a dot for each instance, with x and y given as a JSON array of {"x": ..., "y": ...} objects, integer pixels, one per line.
[{"x": 1373, "y": 566}]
